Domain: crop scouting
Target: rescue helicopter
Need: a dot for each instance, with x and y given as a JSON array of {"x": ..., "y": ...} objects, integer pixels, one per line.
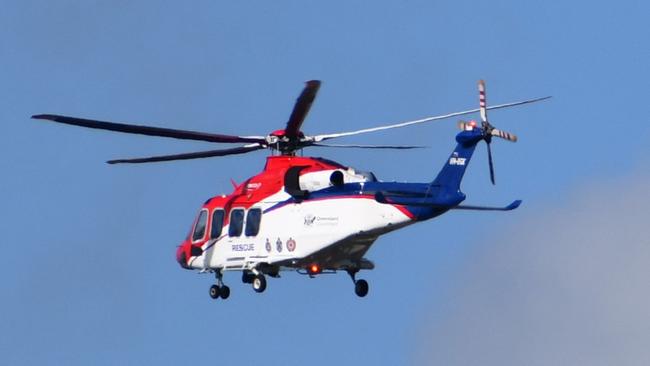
[{"x": 309, "y": 214}]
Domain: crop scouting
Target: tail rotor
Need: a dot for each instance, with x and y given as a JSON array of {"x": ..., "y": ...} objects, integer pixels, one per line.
[{"x": 488, "y": 130}]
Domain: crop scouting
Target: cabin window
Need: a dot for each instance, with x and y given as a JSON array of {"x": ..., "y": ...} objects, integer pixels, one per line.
[
  {"x": 199, "y": 227},
  {"x": 236, "y": 222},
  {"x": 253, "y": 218},
  {"x": 217, "y": 223}
]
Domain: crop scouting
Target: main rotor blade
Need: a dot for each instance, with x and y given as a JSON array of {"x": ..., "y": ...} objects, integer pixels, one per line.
[
  {"x": 148, "y": 130},
  {"x": 301, "y": 108},
  {"x": 398, "y": 147},
  {"x": 187, "y": 156},
  {"x": 424, "y": 120}
]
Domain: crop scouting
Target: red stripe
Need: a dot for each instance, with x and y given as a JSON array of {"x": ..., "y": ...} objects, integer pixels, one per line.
[{"x": 405, "y": 211}]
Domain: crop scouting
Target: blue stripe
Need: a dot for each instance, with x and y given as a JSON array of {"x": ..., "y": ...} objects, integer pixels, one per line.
[{"x": 406, "y": 191}]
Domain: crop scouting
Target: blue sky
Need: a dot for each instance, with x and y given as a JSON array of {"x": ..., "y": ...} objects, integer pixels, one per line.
[{"x": 89, "y": 273}]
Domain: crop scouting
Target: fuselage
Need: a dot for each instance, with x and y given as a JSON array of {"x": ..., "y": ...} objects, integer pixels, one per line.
[{"x": 332, "y": 221}]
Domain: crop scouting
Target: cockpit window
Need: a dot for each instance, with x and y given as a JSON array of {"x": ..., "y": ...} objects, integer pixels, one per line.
[
  {"x": 253, "y": 218},
  {"x": 199, "y": 227},
  {"x": 217, "y": 223},
  {"x": 236, "y": 222}
]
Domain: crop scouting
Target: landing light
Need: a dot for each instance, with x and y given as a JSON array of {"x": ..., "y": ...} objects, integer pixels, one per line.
[{"x": 314, "y": 269}]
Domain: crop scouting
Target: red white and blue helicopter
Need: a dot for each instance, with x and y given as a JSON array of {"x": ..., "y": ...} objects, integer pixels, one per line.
[{"x": 309, "y": 214}]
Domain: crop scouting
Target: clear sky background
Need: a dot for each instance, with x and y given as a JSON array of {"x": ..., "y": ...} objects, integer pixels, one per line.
[{"x": 88, "y": 273}]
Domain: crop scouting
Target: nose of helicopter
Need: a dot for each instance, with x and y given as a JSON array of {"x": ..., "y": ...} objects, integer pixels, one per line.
[{"x": 181, "y": 256}]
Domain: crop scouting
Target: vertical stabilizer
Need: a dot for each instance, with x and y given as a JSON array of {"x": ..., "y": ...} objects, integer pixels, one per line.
[{"x": 452, "y": 172}]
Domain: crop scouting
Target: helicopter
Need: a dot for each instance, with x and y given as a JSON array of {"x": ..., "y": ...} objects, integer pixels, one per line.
[{"x": 310, "y": 214}]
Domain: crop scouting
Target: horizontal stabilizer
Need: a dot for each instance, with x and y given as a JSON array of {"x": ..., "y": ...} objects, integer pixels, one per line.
[
  {"x": 510, "y": 207},
  {"x": 419, "y": 200}
]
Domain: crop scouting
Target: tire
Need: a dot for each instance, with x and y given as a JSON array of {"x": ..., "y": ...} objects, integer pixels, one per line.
[
  {"x": 361, "y": 288},
  {"x": 247, "y": 277},
  {"x": 224, "y": 292},
  {"x": 214, "y": 292},
  {"x": 259, "y": 283}
]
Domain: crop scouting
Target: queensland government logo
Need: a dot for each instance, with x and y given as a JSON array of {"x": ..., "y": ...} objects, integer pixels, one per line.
[
  {"x": 309, "y": 220},
  {"x": 312, "y": 220}
]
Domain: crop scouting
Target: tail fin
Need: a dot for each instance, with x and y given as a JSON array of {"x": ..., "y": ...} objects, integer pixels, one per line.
[
  {"x": 452, "y": 172},
  {"x": 448, "y": 180}
]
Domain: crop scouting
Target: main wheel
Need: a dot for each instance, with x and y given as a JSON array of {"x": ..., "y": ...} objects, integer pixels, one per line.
[
  {"x": 259, "y": 283},
  {"x": 224, "y": 292},
  {"x": 214, "y": 291},
  {"x": 247, "y": 277},
  {"x": 361, "y": 288}
]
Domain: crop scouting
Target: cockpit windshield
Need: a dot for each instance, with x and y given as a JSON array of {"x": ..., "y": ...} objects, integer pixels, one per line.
[{"x": 199, "y": 227}]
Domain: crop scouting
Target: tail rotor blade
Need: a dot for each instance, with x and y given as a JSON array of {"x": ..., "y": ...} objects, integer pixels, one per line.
[
  {"x": 504, "y": 135},
  {"x": 490, "y": 163},
  {"x": 481, "y": 100}
]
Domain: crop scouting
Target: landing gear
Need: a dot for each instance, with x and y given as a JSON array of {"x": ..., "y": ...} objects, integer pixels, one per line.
[
  {"x": 259, "y": 283},
  {"x": 255, "y": 278},
  {"x": 214, "y": 291},
  {"x": 225, "y": 292},
  {"x": 247, "y": 277},
  {"x": 360, "y": 286},
  {"x": 219, "y": 289}
]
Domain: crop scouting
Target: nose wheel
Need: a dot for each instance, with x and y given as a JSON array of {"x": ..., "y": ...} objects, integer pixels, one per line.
[
  {"x": 360, "y": 286},
  {"x": 219, "y": 290}
]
